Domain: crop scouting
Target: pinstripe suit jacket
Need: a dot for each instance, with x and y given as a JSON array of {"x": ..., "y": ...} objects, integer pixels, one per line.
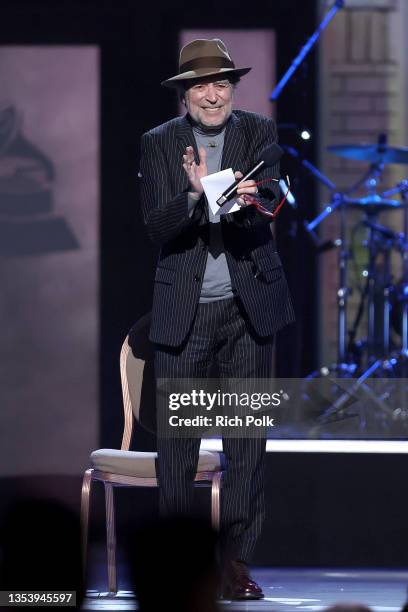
[{"x": 256, "y": 271}]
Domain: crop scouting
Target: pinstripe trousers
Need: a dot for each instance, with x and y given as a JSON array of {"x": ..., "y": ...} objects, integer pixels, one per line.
[{"x": 220, "y": 334}]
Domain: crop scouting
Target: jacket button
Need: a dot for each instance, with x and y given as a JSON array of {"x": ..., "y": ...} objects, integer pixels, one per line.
[{"x": 196, "y": 278}]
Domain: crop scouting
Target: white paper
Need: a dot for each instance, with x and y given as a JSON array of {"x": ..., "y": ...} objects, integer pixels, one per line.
[{"x": 214, "y": 186}]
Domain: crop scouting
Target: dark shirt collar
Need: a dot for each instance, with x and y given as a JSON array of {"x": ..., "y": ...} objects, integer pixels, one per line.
[{"x": 205, "y": 130}]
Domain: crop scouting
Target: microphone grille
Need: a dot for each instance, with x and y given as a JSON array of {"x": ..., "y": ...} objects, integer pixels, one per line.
[{"x": 270, "y": 155}]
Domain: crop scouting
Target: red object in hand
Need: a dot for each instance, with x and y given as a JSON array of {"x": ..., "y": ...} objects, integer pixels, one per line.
[{"x": 252, "y": 201}]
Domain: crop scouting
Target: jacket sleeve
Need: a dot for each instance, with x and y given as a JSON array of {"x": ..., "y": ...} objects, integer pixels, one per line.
[
  {"x": 165, "y": 215},
  {"x": 268, "y": 193}
]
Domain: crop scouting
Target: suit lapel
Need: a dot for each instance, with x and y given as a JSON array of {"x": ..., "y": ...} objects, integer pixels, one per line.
[
  {"x": 234, "y": 150},
  {"x": 234, "y": 145},
  {"x": 185, "y": 137}
]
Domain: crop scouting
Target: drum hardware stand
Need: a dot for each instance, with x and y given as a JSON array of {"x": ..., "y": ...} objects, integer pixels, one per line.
[
  {"x": 390, "y": 239},
  {"x": 372, "y": 282},
  {"x": 344, "y": 366},
  {"x": 372, "y": 204},
  {"x": 379, "y": 240},
  {"x": 404, "y": 351},
  {"x": 401, "y": 356},
  {"x": 370, "y": 180},
  {"x": 374, "y": 364},
  {"x": 387, "y": 364},
  {"x": 340, "y": 402}
]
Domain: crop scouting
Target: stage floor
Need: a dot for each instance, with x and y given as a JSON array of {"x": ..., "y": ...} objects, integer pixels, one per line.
[{"x": 299, "y": 589}]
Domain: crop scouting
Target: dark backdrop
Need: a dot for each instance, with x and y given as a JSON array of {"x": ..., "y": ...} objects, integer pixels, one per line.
[{"x": 324, "y": 509}]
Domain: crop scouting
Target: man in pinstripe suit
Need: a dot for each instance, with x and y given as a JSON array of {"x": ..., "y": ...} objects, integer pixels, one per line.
[{"x": 220, "y": 292}]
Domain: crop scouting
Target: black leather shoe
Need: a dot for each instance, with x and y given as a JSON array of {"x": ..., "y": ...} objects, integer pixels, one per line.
[{"x": 239, "y": 584}]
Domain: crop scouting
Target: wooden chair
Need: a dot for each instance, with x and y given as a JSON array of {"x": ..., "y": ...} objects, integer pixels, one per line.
[{"x": 126, "y": 468}]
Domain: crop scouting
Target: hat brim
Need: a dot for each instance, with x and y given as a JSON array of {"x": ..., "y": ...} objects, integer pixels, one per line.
[{"x": 202, "y": 72}]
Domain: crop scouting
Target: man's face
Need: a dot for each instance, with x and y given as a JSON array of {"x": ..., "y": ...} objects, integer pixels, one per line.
[{"x": 209, "y": 102}]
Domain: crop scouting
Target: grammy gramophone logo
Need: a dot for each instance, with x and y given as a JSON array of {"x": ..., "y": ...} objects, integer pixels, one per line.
[{"x": 28, "y": 224}]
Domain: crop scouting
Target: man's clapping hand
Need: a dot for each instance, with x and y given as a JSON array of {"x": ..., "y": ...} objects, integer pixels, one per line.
[
  {"x": 195, "y": 172},
  {"x": 247, "y": 187}
]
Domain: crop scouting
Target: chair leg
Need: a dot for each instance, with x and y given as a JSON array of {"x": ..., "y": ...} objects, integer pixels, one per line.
[
  {"x": 111, "y": 538},
  {"x": 215, "y": 500},
  {"x": 85, "y": 505}
]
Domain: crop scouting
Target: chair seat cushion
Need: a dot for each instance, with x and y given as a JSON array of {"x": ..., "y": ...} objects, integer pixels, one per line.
[{"x": 143, "y": 464}]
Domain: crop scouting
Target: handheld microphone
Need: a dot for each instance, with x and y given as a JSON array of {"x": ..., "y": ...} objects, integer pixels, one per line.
[{"x": 268, "y": 158}]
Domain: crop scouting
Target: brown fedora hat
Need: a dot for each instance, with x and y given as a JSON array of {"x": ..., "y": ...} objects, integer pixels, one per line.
[{"x": 201, "y": 58}]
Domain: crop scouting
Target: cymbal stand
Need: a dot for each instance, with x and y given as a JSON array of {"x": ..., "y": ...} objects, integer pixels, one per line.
[
  {"x": 386, "y": 290},
  {"x": 343, "y": 291},
  {"x": 390, "y": 239},
  {"x": 371, "y": 182},
  {"x": 372, "y": 281},
  {"x": 343, "y": 366},
  {"x": 370, "y": 179},
  {"x": 402, "y": 189},
  {"x": 404, "y": 351}
]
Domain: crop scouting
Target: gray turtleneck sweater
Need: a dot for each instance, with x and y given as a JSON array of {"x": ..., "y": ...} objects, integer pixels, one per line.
[{"x": 217, "y": 280}]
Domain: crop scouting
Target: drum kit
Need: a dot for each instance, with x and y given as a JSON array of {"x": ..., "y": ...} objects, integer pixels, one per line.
[{"x": 379, "y": 355}]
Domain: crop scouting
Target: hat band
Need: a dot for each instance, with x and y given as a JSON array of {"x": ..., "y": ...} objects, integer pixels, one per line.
[{"x": 206, "y": 62}]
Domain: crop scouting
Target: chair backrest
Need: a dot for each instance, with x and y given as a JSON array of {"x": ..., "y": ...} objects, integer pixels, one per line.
[{"x": 138, "y": 382}]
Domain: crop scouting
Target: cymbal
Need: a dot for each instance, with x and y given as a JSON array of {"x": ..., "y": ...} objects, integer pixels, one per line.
[
  {"x": 374, "y": 202},
  {"x": 375, "y": 154}
]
